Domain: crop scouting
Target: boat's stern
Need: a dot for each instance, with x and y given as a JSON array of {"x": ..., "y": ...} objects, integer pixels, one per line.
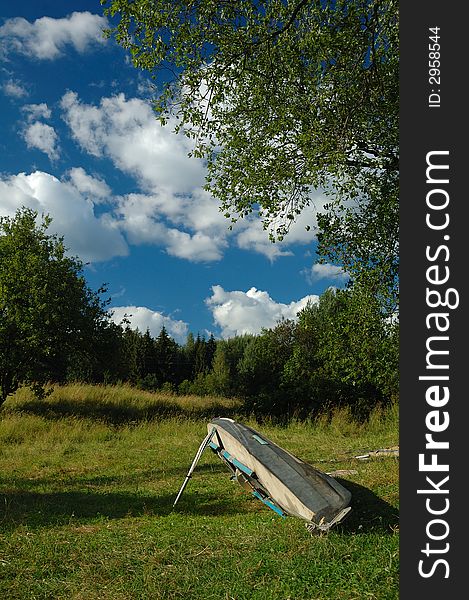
[{"x": 323, "y": 526}]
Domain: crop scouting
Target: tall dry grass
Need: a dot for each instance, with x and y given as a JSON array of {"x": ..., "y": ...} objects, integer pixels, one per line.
[{"x": 118, "y": 404}]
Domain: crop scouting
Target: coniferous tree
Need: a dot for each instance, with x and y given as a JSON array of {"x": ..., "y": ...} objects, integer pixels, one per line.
[
  {"x": 211, "y": 347},
  {"x": 219, "y": 382},
  {"x": 189, "y": 354},
  {"x": 166, "y": 352},
  {"x": 200, "y": 358}
]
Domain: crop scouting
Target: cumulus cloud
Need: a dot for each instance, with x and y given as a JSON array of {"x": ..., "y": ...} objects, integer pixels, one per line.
[
  {"x": 175, "y": 212},
  {"x": 197, "y": 247},
  {"x": 36, "y": 111},
  {"x": 254, "y": 237},
  {"x": 237, "y": 312},
  {"x": 43, "y": 137},
  {"x": 91, "y": 238},
  {"x": 89, "y": 186},
  {"x": 149, "y": 219},
  {"x": 126, "y": 131},
  {"x": 302, "y": 231},
  {"x": 143, "y": 318},
  {"x": 46, "y": 38},
  {"x": 325, "y": 271},
  {"x": 172, "y": 210},
  {"x": 14, "y": 89}
]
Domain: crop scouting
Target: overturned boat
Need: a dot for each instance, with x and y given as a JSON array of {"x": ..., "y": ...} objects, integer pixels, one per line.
[{"x": 283, "y": 482}]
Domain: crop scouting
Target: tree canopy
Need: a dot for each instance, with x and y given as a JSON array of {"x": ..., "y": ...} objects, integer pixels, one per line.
[
  {"x": 47, "y": 312},
  {"x": 282, "y": 97}
]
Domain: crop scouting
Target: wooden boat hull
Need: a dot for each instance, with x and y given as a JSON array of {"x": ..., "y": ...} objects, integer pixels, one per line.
[{"x": 284, "y": 482}]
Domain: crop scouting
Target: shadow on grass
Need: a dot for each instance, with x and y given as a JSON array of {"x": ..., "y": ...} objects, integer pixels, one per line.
[
  {"x": 133, "y": 478},
  {"x": 369, "y": 513},
  {"x": 120, "y": 414},
  {"x": 34, "y": 510}
]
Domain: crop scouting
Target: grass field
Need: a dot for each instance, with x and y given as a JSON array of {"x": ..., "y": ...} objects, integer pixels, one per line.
[{"x": 87, "y": 482}]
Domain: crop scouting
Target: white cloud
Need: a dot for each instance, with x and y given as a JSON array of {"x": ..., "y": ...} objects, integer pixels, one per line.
[
  {"x": 127, "y": 132},
  {"x": 325, "y": 271},
  {"x": 198, "y": 247},
  {"x": 143, "y": 318},
  {"x": 240, "y": 312},
  {"x": 36, "y": 111},
  {"x": 46, "y": 38},
  {"x": 43, "y": 137},
  {"x": 302, "y": 231},
  {"x": 145, "y": 87},
  {"x": 198, "y": 210},
  {"x": 254, "y": 237},
  {"x": 174, "y": 211},
  {"x": 91, "y": 238},
  {"x": 89, "y": 186},
  {"x": 143, "y": 219},
  {"x": 14, "y": 89}
]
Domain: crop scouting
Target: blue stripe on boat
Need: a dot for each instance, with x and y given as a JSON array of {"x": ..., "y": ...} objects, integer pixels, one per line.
[
  {"x": 236, "y": 463},
  {"x": 270, "y": 504}
]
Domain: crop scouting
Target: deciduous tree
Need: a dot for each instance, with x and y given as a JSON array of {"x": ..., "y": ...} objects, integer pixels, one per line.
[
  {"x": 281, "y": 97},
  {"x": 47, "y": 312}
]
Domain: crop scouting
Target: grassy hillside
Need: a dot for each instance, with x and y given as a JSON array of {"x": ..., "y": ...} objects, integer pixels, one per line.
[{"x": 87, "y": 481}]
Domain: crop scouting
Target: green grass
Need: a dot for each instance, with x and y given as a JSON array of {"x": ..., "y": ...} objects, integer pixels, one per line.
[{"x": 87, "y": 482}]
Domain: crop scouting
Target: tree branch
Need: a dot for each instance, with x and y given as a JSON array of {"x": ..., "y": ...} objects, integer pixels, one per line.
[{"x": 291, "y": 20}]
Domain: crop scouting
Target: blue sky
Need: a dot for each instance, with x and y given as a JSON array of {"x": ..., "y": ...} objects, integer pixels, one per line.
[{"x": 79, "y": 141}]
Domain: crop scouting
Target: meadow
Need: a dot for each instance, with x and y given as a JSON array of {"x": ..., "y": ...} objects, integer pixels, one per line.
[{"x": 88, "y": 477}]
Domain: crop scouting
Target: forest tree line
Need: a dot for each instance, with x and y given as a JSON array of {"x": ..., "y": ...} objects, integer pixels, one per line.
[
  {"x": 342, "y": 350},
  {"x": 339, "y": 352}
]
